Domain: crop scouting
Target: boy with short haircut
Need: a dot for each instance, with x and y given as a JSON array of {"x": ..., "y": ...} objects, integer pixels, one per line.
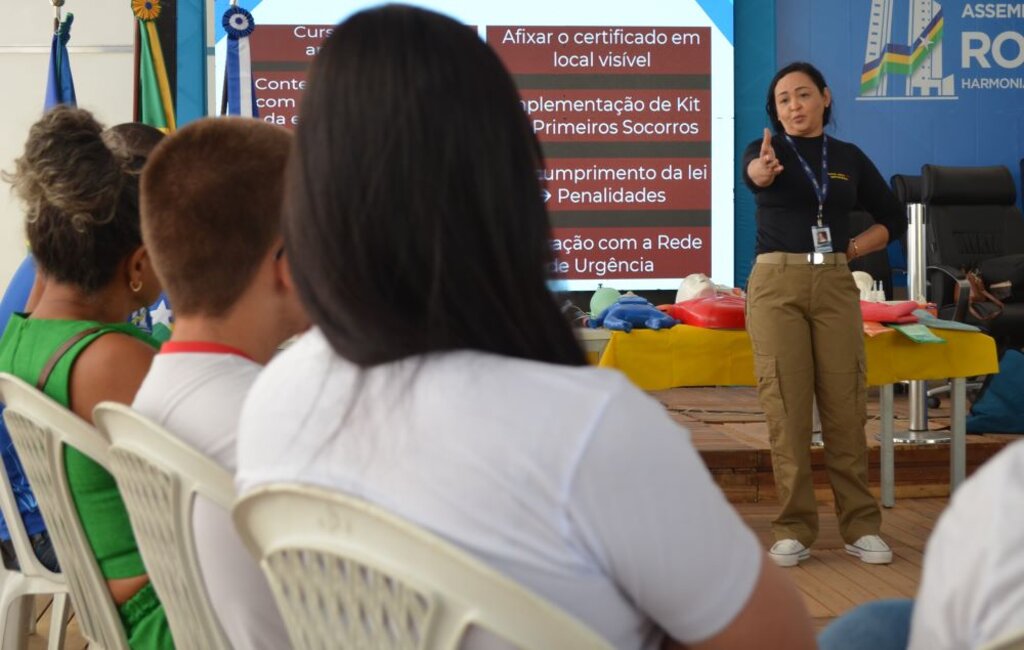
[{"x": 211, "y": 197}]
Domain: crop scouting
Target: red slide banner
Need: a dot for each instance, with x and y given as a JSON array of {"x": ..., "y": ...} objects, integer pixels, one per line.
[
  {"x": 603, "y": 50},
  {"x": 624, "y": 115},
  {"x": 619, "y": 115},
  {"x": 631, "y": 253},
  {"x": 640, "y": 183}
]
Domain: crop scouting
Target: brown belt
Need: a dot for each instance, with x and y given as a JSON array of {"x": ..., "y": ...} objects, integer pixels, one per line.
[{"x": 817, "y": 259}]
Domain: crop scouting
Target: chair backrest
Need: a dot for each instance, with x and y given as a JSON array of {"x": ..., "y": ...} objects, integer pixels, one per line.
[
  {"x": 1013, "y": 641},
  {"x": 30, "y": 578},
  {"x": 40, "y": 429},
  {"x": 908, "y": 190},
  {"x": 972, "y": 214},
  {"x": 159, "y": 477},
  {"x": 30, "y": 565},
  {"x": 906, "y": 187},
  {"x": 347, "y": 574}
]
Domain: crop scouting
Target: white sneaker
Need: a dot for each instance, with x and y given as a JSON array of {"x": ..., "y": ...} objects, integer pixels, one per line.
[
  {"x": 871, "y": 549},
  {"x": 788, "y": 552}
]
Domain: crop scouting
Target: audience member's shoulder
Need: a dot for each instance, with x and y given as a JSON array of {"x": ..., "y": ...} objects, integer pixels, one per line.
[
  {"x": 551, "y": 376},
  {"x": 527, "y": 385},
  {"x": 992, "y": 493},
  {"x": 311, "y": 360},
  {"x": 306, "y": 359},
  {"x": 112, "y": 367},
  {"x": 116, "y": 349},
  {"x": 308, "y": 347},
  {"x": 1002, "y": 475}
]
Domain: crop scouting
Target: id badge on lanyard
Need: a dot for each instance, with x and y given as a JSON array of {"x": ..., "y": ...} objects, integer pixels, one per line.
[{"x": 821, "y": 235}]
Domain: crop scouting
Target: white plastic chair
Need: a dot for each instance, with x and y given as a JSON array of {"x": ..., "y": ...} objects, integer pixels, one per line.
[
  {"x": 159, "y": 477},
  {"x": 347, "y": 574},
  {"x": 17, "y": 586},
  {"x": 1013, "y": 641},
  {"x": 41, "y": 428}
]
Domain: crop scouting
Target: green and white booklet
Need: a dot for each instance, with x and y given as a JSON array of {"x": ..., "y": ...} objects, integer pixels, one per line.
[{"x": 917, "y": 333}]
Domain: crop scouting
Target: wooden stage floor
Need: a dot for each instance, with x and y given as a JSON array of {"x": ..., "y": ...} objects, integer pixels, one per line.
[
  {"x": 729, "y": 431},
  {"x": 832, "y": 581}
]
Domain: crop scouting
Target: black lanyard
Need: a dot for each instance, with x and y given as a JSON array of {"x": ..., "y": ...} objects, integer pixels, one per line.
[{"x": 820, "y": 189}]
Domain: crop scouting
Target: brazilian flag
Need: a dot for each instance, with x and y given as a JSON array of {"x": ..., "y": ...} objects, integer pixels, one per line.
[{"x": 154, "y": 97}]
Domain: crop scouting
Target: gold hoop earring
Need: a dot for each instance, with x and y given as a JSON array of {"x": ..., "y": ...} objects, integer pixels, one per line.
[{"x": 135, "y": 286}]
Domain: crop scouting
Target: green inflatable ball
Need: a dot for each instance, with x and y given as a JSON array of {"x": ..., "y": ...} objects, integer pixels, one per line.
[{"x": 602, "y": 299}]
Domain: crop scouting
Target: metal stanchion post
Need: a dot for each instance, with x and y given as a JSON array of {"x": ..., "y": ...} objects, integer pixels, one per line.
[{"x": 918, "y": 432}]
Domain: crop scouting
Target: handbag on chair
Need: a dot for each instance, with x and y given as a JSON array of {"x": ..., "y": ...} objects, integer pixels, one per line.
[
  {"x": 982, "y": 304},
  {"x": 1004, "y": 276}
]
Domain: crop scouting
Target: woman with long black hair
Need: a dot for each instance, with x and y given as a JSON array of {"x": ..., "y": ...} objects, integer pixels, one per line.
[{"x": 441, "y": 380}]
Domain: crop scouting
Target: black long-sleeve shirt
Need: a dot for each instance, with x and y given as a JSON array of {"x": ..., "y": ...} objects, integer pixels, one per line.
[{"x": 788, "y": 207}]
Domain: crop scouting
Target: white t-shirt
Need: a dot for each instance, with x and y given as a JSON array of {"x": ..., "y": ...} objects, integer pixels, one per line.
[
  {"x": 198, "y": 397},
  {"x": 972, "y": 588},
  {"x": 568, "y": 480}
]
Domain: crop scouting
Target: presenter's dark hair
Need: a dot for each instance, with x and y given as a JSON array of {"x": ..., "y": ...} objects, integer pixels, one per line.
[
  {"x": 414, "y": 221},
  {"x": 796, "y": 66}
]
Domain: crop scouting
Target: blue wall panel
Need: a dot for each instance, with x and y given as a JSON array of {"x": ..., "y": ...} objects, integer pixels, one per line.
[
  {"x": 191, "y": 61},
  {"x": 755, "y": 65}
]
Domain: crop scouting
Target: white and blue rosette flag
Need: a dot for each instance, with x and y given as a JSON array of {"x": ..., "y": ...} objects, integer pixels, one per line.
[{"x": 241, "y": 90}]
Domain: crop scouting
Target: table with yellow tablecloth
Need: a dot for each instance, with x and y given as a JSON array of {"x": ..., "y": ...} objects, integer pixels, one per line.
[{"x": 694, "y": 356}]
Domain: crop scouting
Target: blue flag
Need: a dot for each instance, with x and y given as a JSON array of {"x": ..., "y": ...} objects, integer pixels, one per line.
[
  {"x": 60, "y": 87},
  {"x": 18, "y": 289}
]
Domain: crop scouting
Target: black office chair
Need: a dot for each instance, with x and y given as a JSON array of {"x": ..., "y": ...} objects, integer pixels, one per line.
[
  {"x": 906, "y": 187},
  {"x": 971, "y": 216}
]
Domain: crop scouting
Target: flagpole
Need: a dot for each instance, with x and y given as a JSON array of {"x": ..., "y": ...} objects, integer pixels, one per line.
[
  {"x": 57, "y": 4},
  {"x": 136, "y": 89}
]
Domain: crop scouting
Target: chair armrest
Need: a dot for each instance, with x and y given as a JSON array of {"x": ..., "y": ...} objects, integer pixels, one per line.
[{"x": 962, "y": 296}]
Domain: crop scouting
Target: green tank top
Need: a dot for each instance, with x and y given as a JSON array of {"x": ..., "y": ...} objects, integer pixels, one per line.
[{"x": 26, "y": 346}]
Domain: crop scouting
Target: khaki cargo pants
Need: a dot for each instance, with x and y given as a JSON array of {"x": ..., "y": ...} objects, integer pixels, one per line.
[{"x": 805, "y": 325}]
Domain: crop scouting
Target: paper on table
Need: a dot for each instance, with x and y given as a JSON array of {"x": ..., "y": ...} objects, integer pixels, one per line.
[
  {"x": 874, "y": 328},
  {"x": 918, "y": 333},
  {"x": 930, "y": 320}
]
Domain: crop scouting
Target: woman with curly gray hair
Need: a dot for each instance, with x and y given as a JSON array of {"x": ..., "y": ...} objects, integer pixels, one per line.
[{"x": 80, "y": 189}]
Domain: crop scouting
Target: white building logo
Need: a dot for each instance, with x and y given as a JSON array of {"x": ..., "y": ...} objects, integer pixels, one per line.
[{"x": 897, "y": 71}]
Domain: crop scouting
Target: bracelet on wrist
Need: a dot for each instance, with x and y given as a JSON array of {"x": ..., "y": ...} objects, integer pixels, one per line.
[{"x": 856, "y": 251}]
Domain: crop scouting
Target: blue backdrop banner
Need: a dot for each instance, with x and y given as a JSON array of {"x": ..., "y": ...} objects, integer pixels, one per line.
[{"x": 917, "y": 81}]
